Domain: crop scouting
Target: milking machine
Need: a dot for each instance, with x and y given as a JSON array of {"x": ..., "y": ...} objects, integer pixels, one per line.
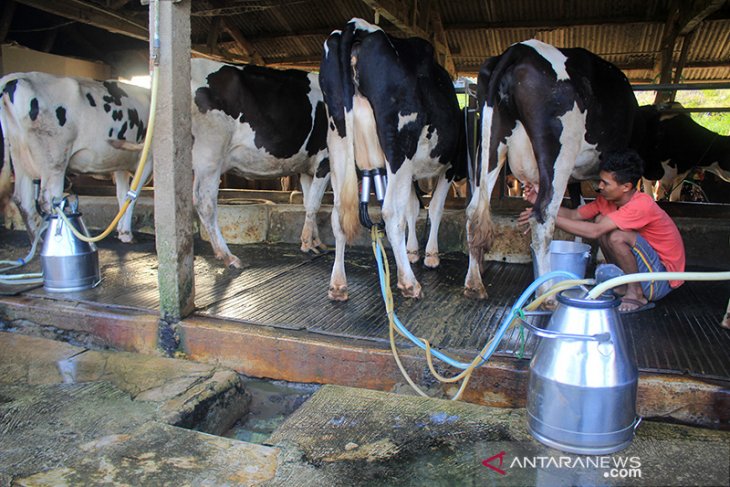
[
  {"x": 582, "y": 385},
  {"x": 69, "y": 263},
  {"x": 378, "y": 178}
]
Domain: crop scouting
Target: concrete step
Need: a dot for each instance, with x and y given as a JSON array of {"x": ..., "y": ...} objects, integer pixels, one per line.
[
  {"x": 249, "y": 217},
  {"x": 73, "y": 416}
]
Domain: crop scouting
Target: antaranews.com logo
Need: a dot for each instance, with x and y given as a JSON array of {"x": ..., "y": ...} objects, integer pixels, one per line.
[
  {"x": 645, "y": 462},
  {"x": 613, "y": 467}
]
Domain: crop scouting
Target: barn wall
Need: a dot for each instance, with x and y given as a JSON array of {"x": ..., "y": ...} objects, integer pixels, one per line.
[{"x": 21, "y": 59}]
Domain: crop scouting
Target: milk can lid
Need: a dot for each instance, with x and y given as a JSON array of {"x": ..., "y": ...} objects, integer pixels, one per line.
[{"x": 578, "y": 297}]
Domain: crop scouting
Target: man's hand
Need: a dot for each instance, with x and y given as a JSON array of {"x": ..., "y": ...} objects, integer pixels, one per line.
[
  {"x": 529, "y": 192},
  {"x": 524, "y": 219}
]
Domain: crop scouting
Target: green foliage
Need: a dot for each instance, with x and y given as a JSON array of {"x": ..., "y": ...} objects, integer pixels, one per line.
[{"x": 717, "y": 122}]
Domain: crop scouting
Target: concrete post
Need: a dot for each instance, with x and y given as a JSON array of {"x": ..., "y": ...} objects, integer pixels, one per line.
[{"x": 172, "y": 149}]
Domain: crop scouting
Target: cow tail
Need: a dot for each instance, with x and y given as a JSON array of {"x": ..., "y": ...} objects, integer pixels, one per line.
[
  {"x": 5, "y": 163},
  {"x": 349, "y": 198}
]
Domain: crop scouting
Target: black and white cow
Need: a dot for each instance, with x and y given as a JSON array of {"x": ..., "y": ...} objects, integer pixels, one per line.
[
  {"x": 54, "y": 124},
  {"x": 390, "y": 106},
  {"x": 550, "y": 112},
  {"x": 672, "y": 145},
  {"x": 260, "y": 123}
]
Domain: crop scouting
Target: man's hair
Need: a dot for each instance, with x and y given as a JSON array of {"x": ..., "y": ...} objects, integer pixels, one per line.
[{"x": 626, "y": 166}]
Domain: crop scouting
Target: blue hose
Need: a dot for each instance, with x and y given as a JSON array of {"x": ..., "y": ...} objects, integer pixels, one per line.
[{"x": 501, "y": 329}]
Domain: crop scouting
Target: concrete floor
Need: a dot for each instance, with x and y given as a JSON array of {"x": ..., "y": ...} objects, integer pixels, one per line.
[{"x": 74, "y": 416}]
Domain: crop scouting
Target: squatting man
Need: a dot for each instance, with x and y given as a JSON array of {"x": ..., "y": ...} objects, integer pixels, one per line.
[{"x": 634, "y": 233}]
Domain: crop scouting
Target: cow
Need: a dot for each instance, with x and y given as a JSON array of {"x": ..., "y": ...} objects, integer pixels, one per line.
[
  {"x": 672, "y": 145},
  {"x": 54, "y": 124},
  {"x": 391, "y": 107},
  {"x": 551, "y": 112},
  {"x": 260, "y": 123}
]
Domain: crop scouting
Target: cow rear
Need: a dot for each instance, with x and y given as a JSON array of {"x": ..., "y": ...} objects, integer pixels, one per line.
[{"x": 551, "y": 113}]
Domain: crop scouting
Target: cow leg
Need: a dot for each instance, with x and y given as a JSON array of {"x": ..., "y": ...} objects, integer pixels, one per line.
[
  {"x": 312, "y": 191},
  {"x": 338, "y": 279},
  {"x": 473, "y": 285},
  {"x": 676, "y": 187},
  {"x": 479, "y": 226},
  {"x": 397, "y": 197},
  {"x": 726, "y": 321},
  {"x": 124, "y": 226},
  {"x": 411, "y": 220},
  {"x": 205, "y": 198},
  {"x": 122, "y": 181},
  {"x": 569, "y": 145},
  {"x": 24, "y": 201},
  {"x": 435, "y": 212}
]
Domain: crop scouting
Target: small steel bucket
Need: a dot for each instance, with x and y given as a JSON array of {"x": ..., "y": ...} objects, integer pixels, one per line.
[
  {"x": 582, "y": 386},
  {"x": 566, "y": 255},
  {"x": 69, "y": 264}
]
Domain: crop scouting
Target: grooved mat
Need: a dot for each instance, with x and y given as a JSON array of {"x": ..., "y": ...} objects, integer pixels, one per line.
[{"x": 281, "y": 287}]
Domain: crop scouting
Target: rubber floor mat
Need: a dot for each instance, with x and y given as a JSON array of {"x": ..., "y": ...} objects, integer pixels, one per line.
[{"x": 281, "y": 287}]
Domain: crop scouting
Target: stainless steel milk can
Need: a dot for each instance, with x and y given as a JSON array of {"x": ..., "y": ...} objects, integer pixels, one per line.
[{"x": 582, "y": 385}]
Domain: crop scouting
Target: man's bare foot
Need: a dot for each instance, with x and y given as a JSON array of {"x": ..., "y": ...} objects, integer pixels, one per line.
[{"x": 634, "y": 305}]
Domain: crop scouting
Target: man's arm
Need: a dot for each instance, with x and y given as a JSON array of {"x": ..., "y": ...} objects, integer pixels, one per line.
[
  {"x": 530, "y": 195},
  {"x": 585, "y": 229}
]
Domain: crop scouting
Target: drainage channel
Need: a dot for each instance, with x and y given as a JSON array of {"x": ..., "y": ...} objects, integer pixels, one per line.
[{"x": 272, "y": 402}]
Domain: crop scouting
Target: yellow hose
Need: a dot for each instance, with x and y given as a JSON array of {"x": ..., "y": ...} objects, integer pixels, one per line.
[
  {"x": 464, "y": 375},
  {"x": 137, "y": 175}
]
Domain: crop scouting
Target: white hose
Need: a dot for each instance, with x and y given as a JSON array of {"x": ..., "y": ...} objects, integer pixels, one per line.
[{"x": 657, "y": 276}]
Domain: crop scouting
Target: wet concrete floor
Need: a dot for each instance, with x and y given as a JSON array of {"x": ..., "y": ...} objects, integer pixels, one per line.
[{"x": 75, "y": 416}]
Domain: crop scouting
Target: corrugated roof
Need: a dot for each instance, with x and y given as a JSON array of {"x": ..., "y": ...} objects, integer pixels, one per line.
[{"x": 628, "y": 33}]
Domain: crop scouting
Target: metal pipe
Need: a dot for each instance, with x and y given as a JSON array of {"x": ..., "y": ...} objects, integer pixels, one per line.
[
  {"x": 365, "y": 188},
  {"x": 685, "y": 86}
]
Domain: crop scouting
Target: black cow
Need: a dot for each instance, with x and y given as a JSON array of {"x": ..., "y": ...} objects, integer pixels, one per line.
[
  {"x": 672, "y": 145},
  {"x": 260, "y": 123},
  {"x": 552, "y": 112},
  {"x": 392, "y": 107}
]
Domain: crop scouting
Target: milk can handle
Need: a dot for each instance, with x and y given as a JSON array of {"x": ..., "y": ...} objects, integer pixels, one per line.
[{"x": 541, "y": 332}]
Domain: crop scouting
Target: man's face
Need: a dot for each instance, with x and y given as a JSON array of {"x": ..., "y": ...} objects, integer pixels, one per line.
[{"x": 609, "y": 188}]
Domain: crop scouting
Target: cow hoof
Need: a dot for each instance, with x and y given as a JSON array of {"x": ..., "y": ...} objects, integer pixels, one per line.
[
  {"x": 478, "y": 293},
  {"x": 126, "y": 237},
  {"x": 338, "y": 293},
  {"x": 432, "y": 260},
  {"x": 726, "y": 322},
  {"x": 308, "y": 249},
  {"x": 411, "y": 291},
  {"x": 413, "y": 256},
  {"x": 232, "y": 262}
]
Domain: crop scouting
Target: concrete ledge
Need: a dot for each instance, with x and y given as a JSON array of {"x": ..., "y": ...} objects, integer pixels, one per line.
[
  {"x": 185, "y": 393},
  {"x": 249, "y": 217},
  {"x": 298, "y": 356}
]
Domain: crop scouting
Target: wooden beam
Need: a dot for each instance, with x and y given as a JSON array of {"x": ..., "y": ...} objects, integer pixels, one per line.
[
  {"x": 540, "y": 24},
  {"x": 698, "y": 12},
  {"x": 92, "y": 14},
  {"x": 6, "y": 19},
  {"x": 398, "y": 14},
  {"x": 240, "y": 40},
  {"x": 442, "y": 43},
  {"x": 669, "y": 38},
  {"x": 49, "y": 38},
  {"x": 216, "y": 25}
]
